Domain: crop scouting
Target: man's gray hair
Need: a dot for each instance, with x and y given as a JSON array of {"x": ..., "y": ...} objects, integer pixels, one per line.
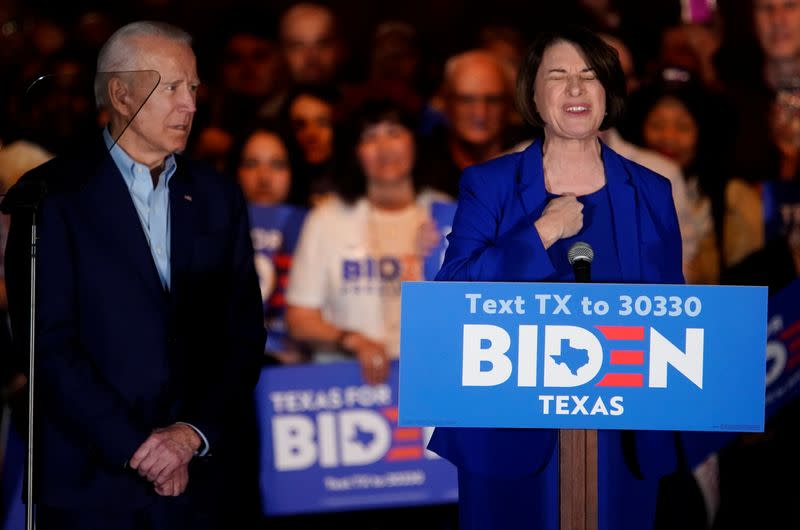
[
  {"x": 119, "y": 53},
  {"x": 456, "y": 62}
]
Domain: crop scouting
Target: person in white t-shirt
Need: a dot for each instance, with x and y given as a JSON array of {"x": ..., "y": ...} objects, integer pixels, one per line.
[{"x": 355, "y": 250}]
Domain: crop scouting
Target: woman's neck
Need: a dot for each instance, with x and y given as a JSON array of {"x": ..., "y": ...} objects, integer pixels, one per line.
[
  {"x": 391, "y": 195},
  {"x": 572, "y": 166}
]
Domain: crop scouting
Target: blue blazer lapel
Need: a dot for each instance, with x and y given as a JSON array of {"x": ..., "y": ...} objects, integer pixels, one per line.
[
  {"x": 530, "y": 180},
  {"x": 625, "y": 215},
  {"x": 109, "y": 201},
  {"x": 182, "y": 223}
]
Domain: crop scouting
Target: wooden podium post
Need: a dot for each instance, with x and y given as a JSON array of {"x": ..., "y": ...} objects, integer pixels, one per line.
[{"x": 577, "y": 479}]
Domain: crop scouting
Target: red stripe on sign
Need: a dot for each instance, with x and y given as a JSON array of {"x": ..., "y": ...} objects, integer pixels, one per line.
[
  {"x": 794, "y": 344},
  {"x": 791, "y": 330},
  {"x": 277, "y": 300},
  {"x": 627, "y": 357},
  {"x": 390, "y": 413},
  {"x": 793, "y": 361},
  {"x": 622, "y": 332},
  {"x": 283, "y": 261},
  {"x": 404, "y": 453},
  {"x": 407, "y": 434},
  {"x": 622, "y": 380}
]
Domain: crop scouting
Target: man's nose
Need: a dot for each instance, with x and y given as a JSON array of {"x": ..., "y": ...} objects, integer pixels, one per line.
[
  {"x": 263, "y": 173},
  {"x": 188, "y": 100},
  {"x": 778, "y": 17},
  {"x": 480, "y": 108},
  {"x": 313, "y": 130},
  {"x": 669, "y": 136},
  {"x": 313, "y": 53}
]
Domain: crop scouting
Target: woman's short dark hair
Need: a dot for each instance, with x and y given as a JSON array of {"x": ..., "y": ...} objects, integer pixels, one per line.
[
  {"x": 297, "y": 193},
  {"x": 601, "y": 57},
  {"x": 372, "y": 111},
  {"x": 326, "y": 93},
  {"x": 243, "y": 136}
]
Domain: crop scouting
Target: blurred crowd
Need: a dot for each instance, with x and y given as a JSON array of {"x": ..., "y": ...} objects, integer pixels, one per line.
[{"x": 358, "y": 144}]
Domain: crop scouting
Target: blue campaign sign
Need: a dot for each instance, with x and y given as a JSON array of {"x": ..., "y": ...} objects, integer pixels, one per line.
[
  {"x": 275, "y": 231},
  {"x": 12, "y": 509},
  {"x": 583, "y": 356},
  {"x": 330, "y": 442},
  {"x": 783, "y": 348},
  {"x": 442, "y": 214}
]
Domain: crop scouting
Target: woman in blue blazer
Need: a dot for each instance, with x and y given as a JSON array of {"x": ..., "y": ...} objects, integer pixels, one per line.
[{"x": 517, "y": 217}]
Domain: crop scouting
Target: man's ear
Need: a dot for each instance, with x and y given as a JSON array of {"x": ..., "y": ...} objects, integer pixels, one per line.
[{"x": 119, "y": 95}]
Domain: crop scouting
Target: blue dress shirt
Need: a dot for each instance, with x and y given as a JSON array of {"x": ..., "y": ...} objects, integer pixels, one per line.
[{"x": 152, "y": 205}]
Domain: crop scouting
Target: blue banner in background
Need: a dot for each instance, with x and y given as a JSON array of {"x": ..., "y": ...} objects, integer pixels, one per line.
[
  {"x": 12, "y": 509},
  {"x": 783, "y": 348},
  {"x": 442, "y": 214},
  {"x": 330, "y": 442},
  {"x": 275, "y": 231},
  {"x": 583, "y": 356}
]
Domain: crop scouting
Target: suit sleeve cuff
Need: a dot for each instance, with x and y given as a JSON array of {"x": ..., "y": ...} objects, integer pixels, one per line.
[{"x": 204, "y": 447}]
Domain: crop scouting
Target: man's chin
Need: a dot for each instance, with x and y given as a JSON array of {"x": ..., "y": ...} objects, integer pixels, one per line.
[
  {"x": 313, "y": 77},
  {"x": 783, "y": 53},
  {"x": 476, "y": 140},
  {"x": 180, "y": 147}
]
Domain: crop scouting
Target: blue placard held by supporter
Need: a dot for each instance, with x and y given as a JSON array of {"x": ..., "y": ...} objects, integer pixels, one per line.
[
  {"x": 330, "y": 442},
  {"x": 781, "y": 205},
  {"x": 275, "y": 231},
  {"x": 12, "y": 509},
  {"x": 783, "y": 348},
  {"x": 583, "y": 356},
  {"x": 442, "y": 214}
]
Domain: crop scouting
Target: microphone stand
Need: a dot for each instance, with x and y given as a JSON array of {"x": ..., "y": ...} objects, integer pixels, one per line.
[
  {"x": 26, "y": 196},
  {"x": 577, "y": 448},
  {"x": 29, "y": 512}
]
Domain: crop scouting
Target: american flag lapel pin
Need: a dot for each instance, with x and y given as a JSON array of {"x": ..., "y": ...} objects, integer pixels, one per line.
[{"x": 187, "y": 198}]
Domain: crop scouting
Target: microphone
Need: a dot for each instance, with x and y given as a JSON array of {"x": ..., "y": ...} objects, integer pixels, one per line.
[
  {"x": 26, "y": 194},
  {"x": 580, "y": 256}
]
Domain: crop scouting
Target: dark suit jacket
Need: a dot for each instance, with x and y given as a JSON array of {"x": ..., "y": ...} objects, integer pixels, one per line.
[
  {"x": 494, "y": 239},
  {"x": 118, "y": 356}
]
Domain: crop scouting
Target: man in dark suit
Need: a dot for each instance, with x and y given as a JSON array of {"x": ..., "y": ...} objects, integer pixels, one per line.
[{"x": 149, "y": 319}]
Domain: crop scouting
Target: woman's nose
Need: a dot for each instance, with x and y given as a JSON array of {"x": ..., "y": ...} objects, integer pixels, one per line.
[{"x": 574, "y": 85}]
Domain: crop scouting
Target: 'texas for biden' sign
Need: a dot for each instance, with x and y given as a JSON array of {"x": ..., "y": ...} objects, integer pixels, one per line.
[{"x": 594, "y": 356}]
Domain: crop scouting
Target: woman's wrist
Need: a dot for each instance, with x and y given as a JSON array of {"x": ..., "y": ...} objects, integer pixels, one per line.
[
  {"x": 344, "y": 341},
  {"x": 548, "y": 233}
]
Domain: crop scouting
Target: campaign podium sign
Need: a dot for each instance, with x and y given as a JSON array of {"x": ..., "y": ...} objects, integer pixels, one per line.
[{"x": 583, "y": 356}]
